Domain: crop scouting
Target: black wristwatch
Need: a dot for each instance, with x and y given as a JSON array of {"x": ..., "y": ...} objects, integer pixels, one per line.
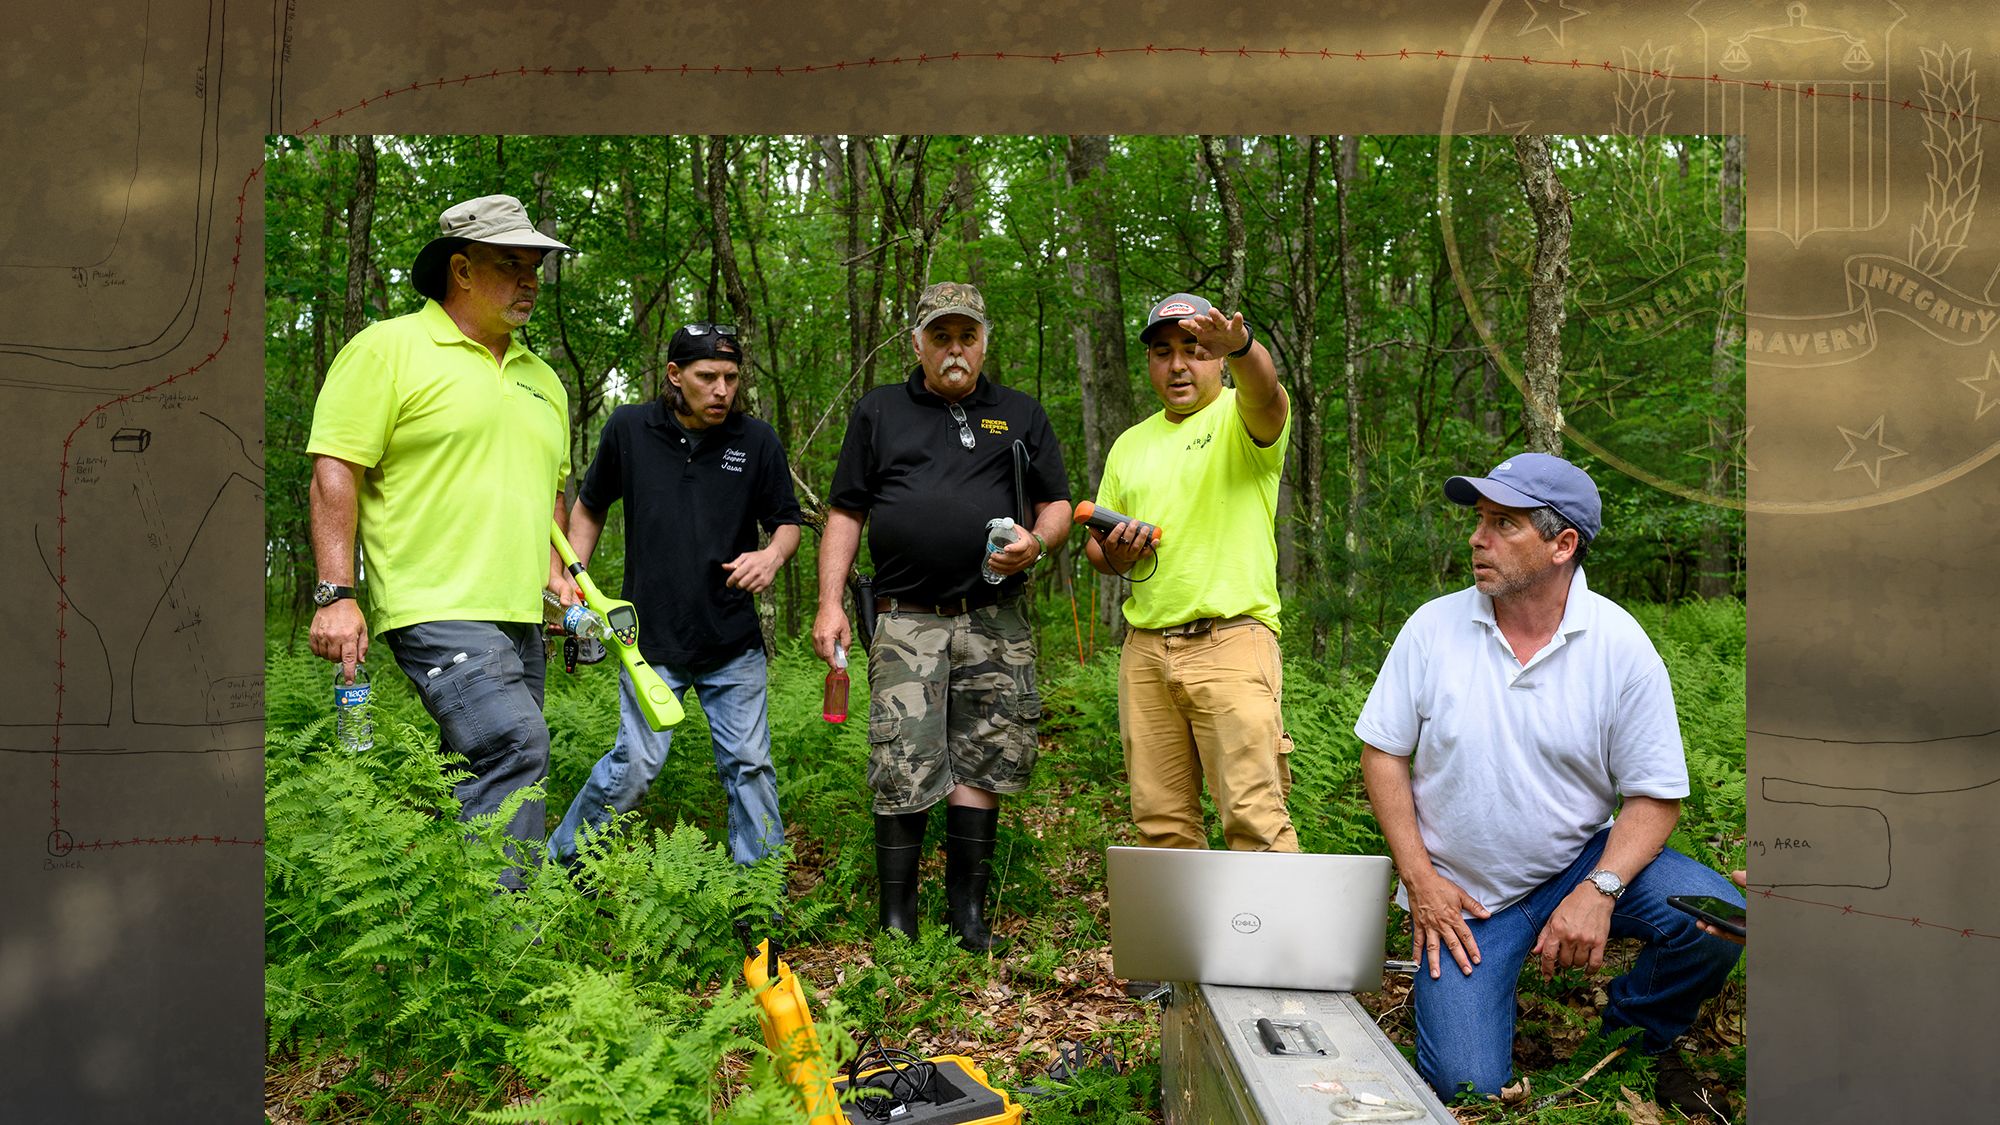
[
  {"x": 1249, "y": 339},
  {"x": 326, "y": 593}
]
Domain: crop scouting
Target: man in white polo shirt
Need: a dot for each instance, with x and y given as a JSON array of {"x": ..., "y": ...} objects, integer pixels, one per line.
[{"x": 1509, "y": 722}]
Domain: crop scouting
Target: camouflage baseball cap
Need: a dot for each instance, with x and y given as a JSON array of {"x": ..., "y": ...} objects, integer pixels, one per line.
[{"x": 947, "y": 298}]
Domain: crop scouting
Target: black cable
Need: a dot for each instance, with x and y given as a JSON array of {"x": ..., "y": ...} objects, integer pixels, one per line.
[
  {"x": 1127, "y": 576},
  {"x": 911, "y": 1079}
]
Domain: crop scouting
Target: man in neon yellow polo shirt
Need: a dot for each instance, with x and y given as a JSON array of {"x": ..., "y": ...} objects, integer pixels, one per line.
[
  {"x": 1199, "y": 679},
  {"x": 445, "y": 442}
]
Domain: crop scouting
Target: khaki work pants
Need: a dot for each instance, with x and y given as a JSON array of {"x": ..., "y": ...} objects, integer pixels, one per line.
[{"x": 1205, "y": 707}]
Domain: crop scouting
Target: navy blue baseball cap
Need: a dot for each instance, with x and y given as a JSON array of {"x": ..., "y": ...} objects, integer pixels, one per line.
[{"x": 1534, "y": 480}]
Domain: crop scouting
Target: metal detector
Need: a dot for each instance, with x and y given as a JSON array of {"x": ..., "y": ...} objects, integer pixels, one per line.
[{"x": 656, "y": 700}]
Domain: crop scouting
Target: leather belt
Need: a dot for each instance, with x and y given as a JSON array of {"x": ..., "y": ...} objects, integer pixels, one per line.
[
  {"x": 957, "y": 607},
  {"x": 1201, "y": 625}
]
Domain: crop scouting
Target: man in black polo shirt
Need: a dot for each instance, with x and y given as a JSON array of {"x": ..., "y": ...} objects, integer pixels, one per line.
[
  {"x": 697, "y": 478},
  {"x": 952, "y": 704}
]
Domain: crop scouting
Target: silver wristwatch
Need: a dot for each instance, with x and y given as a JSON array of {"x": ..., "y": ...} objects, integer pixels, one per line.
[
  {"x": 326, "y": 593},
  {"x": 1607, "y": 883}
]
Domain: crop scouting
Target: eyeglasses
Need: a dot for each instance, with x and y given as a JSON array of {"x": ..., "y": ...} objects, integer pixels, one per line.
[
  {"x": 964, "y": 428},
  {"x": 704, "y": 329}
]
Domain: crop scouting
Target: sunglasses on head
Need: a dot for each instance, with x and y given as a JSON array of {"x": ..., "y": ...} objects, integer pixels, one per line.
[{"x": 705, "y": 329}]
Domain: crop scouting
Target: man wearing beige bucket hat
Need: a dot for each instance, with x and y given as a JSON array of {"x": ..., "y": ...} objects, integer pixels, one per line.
[{"x": 442, "y": 443}]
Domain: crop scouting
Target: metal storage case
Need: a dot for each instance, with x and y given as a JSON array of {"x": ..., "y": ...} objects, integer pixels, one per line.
[{"x": 1217, "y": 1067}]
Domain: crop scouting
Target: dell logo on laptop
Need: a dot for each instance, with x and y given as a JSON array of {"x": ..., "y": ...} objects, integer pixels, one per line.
[{"x": 1246, "y": 923}]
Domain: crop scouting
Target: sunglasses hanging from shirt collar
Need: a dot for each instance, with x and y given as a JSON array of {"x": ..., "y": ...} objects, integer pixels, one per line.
[{"x": 964, "y": 428}]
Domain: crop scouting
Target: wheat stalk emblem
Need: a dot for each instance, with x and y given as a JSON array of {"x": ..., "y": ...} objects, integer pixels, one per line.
[
  {"x": 1951, "y": 137},
  {"x": 1644, "y": 106}
]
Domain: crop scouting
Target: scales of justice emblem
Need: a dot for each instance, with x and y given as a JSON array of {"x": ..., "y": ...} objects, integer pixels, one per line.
[{"x": 1810, "y": 95}]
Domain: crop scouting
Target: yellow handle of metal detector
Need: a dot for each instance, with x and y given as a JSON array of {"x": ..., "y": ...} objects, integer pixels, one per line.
[{"x": 656, "y": 700}]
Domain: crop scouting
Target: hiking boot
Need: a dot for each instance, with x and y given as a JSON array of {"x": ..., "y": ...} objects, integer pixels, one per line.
[{"x": 1676, "y": 1086}]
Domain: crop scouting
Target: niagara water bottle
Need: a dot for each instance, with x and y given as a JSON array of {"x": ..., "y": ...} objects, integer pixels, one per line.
[
  {"x": 833, "y": 704},
  {"x": 353, "y": 719},
  {"x": 576, "y": 621},
  {"x": 999, "y": 533}
]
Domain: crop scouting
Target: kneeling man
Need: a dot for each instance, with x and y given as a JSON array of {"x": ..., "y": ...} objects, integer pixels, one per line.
[{"x": 1509, "y": 722}]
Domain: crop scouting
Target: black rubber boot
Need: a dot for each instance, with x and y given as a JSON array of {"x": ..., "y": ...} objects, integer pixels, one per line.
[
  {"x": 968, "y": 854},
  {"x": 899, "y": 846}
]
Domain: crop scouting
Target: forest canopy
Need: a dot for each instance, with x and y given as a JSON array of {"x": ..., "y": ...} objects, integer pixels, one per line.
[{"x": 1391, "y": 277}]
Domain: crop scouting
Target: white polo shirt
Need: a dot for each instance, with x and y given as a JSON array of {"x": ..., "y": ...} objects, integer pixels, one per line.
[{"x": 1517, "y": 766}]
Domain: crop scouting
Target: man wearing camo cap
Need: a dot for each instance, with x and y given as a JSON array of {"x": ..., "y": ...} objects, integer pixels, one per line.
[
  {"x": 953, "y": 709},
  {"x": 440, "y": 442}
]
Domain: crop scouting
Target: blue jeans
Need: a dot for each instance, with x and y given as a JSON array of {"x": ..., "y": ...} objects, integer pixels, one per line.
[
  {"x": 1465, "y": 1024},
  {"x": 488, "y": 708},
  {"x": 732, "y": 696}
]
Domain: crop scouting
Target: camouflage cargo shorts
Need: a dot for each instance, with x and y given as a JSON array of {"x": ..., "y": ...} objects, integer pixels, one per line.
[{"x": 952, "y": 701}]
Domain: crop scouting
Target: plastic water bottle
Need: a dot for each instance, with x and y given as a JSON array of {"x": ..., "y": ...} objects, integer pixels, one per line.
[
  {"x": 353, "y": 718},
  {"x": 999, "y": 533},
  {"x": 578, "y": 620},
  {"x": 833, "y": 704}
]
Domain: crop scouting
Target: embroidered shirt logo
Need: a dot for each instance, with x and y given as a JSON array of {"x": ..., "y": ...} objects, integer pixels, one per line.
[
  {"x": 993, "y": 425},
  {"x": 733, "y": 460},
  {"x": 533, "y": 391}
]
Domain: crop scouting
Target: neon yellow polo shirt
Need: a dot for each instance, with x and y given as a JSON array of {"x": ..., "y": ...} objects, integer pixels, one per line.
[
  {"x": 464, "y": 459},
  {"x": 1213, "y": 493}
]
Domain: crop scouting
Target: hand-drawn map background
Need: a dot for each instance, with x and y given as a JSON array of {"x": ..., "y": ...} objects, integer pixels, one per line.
[{"x": 130, "y": 263}]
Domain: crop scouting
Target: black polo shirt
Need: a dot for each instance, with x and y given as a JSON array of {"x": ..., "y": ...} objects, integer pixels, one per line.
[
  {"x": 926, "y": 496},
  {"x": 690, "y": 506}
]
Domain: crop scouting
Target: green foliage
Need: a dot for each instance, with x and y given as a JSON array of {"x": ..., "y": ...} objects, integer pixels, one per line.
[
  {"x": 603, "y": 1056},
  {"x": 388, "y": 945}
]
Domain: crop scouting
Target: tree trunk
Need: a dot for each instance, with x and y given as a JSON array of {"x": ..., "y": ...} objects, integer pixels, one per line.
[
  {"x": 1489, "y": 368},
  {"x": 1106, "y": 387},
  {"x": 322, "y": 301},
  {"x": 1718, "y": 571},
  {"x": 1352, "y": 541},
  {"x": 360, "y": 221},
  {"x": 716, "y": 186},
  {"x": 648, "y": 299},
  {"x": 1235, "y": 252},
  {"x": 848, "y": 196},
  {"x": 1542, "y": 359},
  {"x": 965, "y": 197},
  {"x": 1308, "y": 430}
]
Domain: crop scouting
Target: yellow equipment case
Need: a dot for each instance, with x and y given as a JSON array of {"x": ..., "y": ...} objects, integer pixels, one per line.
[{"x": 941, "y": 1090}]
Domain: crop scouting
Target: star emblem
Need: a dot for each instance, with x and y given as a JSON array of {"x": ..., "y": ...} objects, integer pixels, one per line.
[
  {"x": 1731, "y": 447},
  {"x": 1497, "y": 126},
  {"x": 1870, "y": 458},
  {"x": 1606, "y": 388},
  {"x": 1988, "y": 386},
  {"x": 1549, "y": 16}
]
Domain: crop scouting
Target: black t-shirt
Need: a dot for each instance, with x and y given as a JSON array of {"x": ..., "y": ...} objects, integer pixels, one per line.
[
  {"x": 927, "y": 497},
  {"x": 690, "y": 506}
]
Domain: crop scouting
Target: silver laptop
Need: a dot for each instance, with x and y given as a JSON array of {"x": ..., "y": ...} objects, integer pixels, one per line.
[{"x": 1255, "y": 919}]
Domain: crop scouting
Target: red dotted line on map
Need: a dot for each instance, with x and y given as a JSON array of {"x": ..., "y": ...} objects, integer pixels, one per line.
[
  {"x": 60, "y": 842},
  {"x": 872, "y": 62},
  {"x": 1850, "y": 908},
  {"x": 63, "y": 847}
]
